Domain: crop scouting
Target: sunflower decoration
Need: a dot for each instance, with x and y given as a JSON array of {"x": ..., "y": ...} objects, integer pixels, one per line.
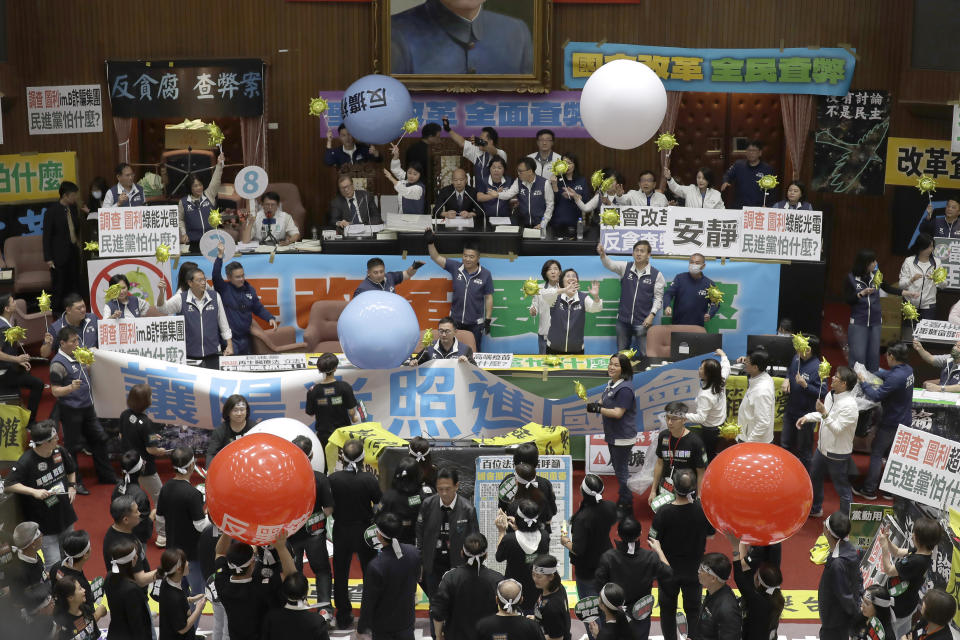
[
  {"x": 730, "y": 431},
  {"x": 317, "y": 107},
  {"x": 580, "y": 390},
  {"x": 215, "y": 135},
  {"x": 939, "y": 275},
  {"x": 800, "y": 343},
  {"x": 83, "y": 356},
  {"x": 163, "y": 253},
  {"x": 44, "y": 301},
  {"x": 823, "y": 370},
  {"x": 877, "y": 278},
  {"x": 427, "y": 338},
  {"x": 666, "y": 142},
  {"x": 607, "y": 184},
  {"x": 409, "y": 126},
  {"x": 91, "y": 246},
  {"x": 215, "y": 219},
  {"x": 909, "y": 312},
  {"x": 927, "y": 185},
  {"x": 112, "y": 292},
  {"x": 714, "y": 295},
  {"x": 596, "y": 179},
  {"x": 13, "y": 335},
  {"x": 530, "y": 287},
  {"x": 610, "y": 217},
  {"x": 552, "y": 361},
  {"x": 629, "y": 353},
  {"x": 767, "y": 183}
]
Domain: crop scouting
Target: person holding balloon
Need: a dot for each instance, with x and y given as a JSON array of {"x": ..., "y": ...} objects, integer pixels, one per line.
[
  {"x": 760, "y": 593},
  {"x": 618, "y": 412},
  {"x": 698, "y": 195},
  {"x": 840, "y": 586}
]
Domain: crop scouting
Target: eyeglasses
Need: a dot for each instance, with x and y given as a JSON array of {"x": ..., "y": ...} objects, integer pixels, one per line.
[{"x": 445, "y": 331}]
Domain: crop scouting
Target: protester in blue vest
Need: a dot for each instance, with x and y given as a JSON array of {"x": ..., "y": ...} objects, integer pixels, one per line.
[
  {"x": 194, "y": 208},
  {"x": 895, "y": 395},
  {"x": 70, "y": 385},
  {"x": 566, "y": 190},
  {"x": 126, "y": 193},
  {"x": 206, "y": 322},
  {"x": 479, "y": 151},
  {"x": 447, "y": 347},
  {"x": 240, "y": 301},
  {"x": 534, "y": 197},
  {"x": 685, "y": 300},
  {"x": 947, "y": 226},
  {"x": 379, "y": 279},
  {"x": 949, "y": 365},
  {"x": 74, "y": 315},
  {"x": 804, "y": 387},
  {"x": 568, "y": 314},
  {"x": 408, "y": 185},
  {"x": 349, "y": 152},
  {"x": 472, "y": 305},
  {"x": 794, "y": 200},
  {"x": 488, "y": 193},
  {"x": 863, "y": 296},
  {"x": 744, "y": 174},
  {"x": 125, "y": 305},
  {"x": 641, "y": 295}
]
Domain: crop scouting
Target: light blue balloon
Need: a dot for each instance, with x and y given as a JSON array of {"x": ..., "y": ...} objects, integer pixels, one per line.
[
  {"x": 378, "y": 330},
  {"x": 375, "y": 107}
]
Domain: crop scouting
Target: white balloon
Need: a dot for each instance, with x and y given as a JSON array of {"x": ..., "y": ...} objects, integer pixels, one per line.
[
  {"x": 622, "y": 104},
  {"x": 288, "y": 429}
]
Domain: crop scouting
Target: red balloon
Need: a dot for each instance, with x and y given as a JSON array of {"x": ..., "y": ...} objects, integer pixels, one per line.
[
  {"x": 759, "y": 492},
  {"x": 258, "y": 486}
]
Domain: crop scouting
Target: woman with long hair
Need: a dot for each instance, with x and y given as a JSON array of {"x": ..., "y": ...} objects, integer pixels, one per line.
[
  {"x": 194, "y": 208},
  {"x": 419, "y": 450},
  {"x": 862, "y": 293},
  {"x": 711, "y": 410},
  {"x": 916, "y": 277},
  {"x": 72, "y": 611},
  {"x": 877, "y": 609},
  {"x": 544, "y": 300},
  {"x": 616, "y": 626}
]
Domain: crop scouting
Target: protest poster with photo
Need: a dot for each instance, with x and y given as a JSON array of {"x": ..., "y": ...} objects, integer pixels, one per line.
[{"x": 850, "y": 143}]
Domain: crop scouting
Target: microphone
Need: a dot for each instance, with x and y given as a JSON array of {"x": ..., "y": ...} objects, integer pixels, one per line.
[
  {"x": 269, "y": 239},
  {"x": 439, "y": 207},
  {"x": 481, "y": 212}
]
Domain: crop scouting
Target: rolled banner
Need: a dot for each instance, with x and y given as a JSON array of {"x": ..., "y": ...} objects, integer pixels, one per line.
[
  {"x": 666, "y": 142},
  {"x": 800, "y": 343},
  {"x": 91, "y": 246},
  {"x": 939, "y": 275},
  {"x": 926, "y": 185},
  {"x": 596, "y": 179},
  {"x": 427, "y": 338},
  {"x": 580, "y": 389},
  {"x": 909, "y": 312},
  {"x": 317, "y": 107},
  {"x": 44, "y": 301},
  {"x": 560, "y": 167},
  {"x": 215, "y": 219},
  {"x": 730, "y": 431},
  {"x": 552, "y": 361},
  {"x": 163, "y": 253},
  {"x": 530, "y": 287},
  {"x": 877, "y": 278},
  {"x": 610, "y": 217},
  {"x": 215, "y": 136},
  {"x": 714, "y": 295},
  {"x": 112, "y": 292},
  {"x": 14, "y": 335},
  {"x": 83, "y": 355}
]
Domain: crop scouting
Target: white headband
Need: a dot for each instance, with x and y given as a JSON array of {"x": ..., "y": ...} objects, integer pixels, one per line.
[
  {"x": 115, "y": 564},
  {"x": 831, "y": 532},
  {"x": 530, "y": 521},
  {"x": 880, "y": 602},
  {"x": 136, "y": 467},
  {"x": 631, "y": 547},
  {"x": 710, "y": 572},
  {"x": 246, "y": 564},
  {"x": 506, "y": 602},
  {"x": 609, "y": 605},
  {"x": 394, "y": 543},
  {"x": 36, "y": 443},
  {"x": 526, "y": 483},
  {"x": 43, "y": 604},
  {"x": 352, "y": 464},
  {"x": 474, "y": 559},
  {"x": 184, "y": 468},
  {"x": 420, "y": 457},
  {"x": 544, "y": 571},
  {"x": 597, "y": 495},
  {"x": 767, "y": 587},
  {"x": 36, "y": 536},
  {"x": 68, "y": 561}
]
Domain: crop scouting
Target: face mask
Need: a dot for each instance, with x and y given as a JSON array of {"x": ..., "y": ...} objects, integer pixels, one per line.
[
  {"x": 955, "y": 353},
  {"x": 97, "y": 195},
  {"x": 695, "y": 269}
]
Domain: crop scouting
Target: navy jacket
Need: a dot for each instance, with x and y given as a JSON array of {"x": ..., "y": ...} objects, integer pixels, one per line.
[
  {"x": 895, "y": 395},
  {"x": 804, "y": 206},
  {"x": 565, "y": 210},
  {"x": 840, "y": 588},
  {"x": 744, "y": 179},
  {"x": 469, "y": 291},
  {"x": 940, "y": 228},
  {"x": 87, "y": 330},
  {"x": 336, "y": 157},
  {"x": 390, "y": 591},
  {"x": 800, "y": 400},
  {"x": 532, "y": 202},
  {"x": 239, "y": 304},
  {"x": 689, "y": 299},
  {"x": 495, "y": 208},
  {"x": 865, "y": 311},
  {"x": 390, "y": 282}
]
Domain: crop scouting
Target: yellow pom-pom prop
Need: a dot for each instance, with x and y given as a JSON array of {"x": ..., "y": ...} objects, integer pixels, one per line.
[
  {"x": 714, "y": 295},
  {"x": 427, "y": 338},
  {"x": 610, "y": 217},
  {"x": 14, "y": 335},
  {"x": 560, "y": 167},
  {"x": 112, "y": 292},
  {"x": 580, "y": 390},
  {"x": 730, "y": 431},
  {"x": 411, "y": 125},
  {"x": 824, "y": 369},
  {"x": 926, "y": 185},
  {"x": 666, "y": 142},
  {"x": 163, "y": 253},
  {"x": 215, "y": 136},
  {"x": 596, "y": 179},
  {"x": 909, "y": 311},
  {"x": 768, "y": 182},
  {"x": 44, "y": 301},
  {"x": 607, "y": 184},
  {"x": 91, "y": 246},
  {"x": 552, "y": 361},
  {"x": 215, "y": 219},
  {"x": 317, "y": 107},
  {"x": 530, "y": 287},
  {"x": 629, "y": 353},
  {"x": 877, "y": 278},
  {"x": 83, "y": 356},
  {"x": 800, "y": 343},
  {"x": 939, "y": 275}
]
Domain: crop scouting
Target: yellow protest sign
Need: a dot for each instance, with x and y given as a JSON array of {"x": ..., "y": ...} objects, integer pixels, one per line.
[
  {"x": 737, "y": 386},
  {"x": 374, "y": 438},
  {"x": 550, "y": 440},
  {"x": 910, "y": 158},
  {"x": 13, "y": 431},
  {"x": 35, "y": 177}
]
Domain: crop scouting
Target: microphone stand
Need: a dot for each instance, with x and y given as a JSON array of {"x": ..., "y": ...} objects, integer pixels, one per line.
[
  {"x": 481, "y": 212},
  {"x": 440, "y": 206}
]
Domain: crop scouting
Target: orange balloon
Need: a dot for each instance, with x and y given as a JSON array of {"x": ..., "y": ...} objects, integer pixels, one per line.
[
  {"x": 258, "y": 486},
  {"x": 759, "y": 492}
]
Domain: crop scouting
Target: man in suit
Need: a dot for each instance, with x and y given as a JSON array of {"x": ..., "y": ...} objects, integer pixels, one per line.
[
  {"x": 61, "y": 244},
  {"x": 445, "y": 521},
  {"x": 353, "y": 206},
  {"x": 458, "y": 200}
]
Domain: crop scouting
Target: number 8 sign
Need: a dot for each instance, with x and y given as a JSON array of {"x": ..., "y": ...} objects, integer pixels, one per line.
[{"x": 251, "y": 182}]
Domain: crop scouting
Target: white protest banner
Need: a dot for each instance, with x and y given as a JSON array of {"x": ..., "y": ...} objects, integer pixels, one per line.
[
  {"x": 598, "y": 453},
  {"x": 490, "y": 472},
  {"x": 76, "y": 108},
  {"x": 936, "y": 331},
  {"x": 138, "y": 231},
  {"x": 947, "y": 253},
  {"x": 636, "y": 223},
  {"x": 781, "y": 234},
  {"x": 712, "y": 232},
  {"x": 955, "y": 130},
  {"x": 924, "y": 468},
  {"x": 160, "y": 338},
  {"x": 493, "y": 360},
  {"x": 143, "y": 274},
  {"x": 267, "y": 362}
]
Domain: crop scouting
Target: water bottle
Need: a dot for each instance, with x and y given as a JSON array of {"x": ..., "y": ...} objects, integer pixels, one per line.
[
  {"x": 580, "y": 228},
  {"x": 543, "y": 231},
  {"x": 314, "y": 234}
]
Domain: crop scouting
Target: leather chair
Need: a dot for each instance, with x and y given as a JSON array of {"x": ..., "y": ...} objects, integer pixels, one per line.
[
  {"x": 283, "y": 340},
  {"x": 321, "y": 332},
  {"x": 463, "y": 337},
  {"x": 658, "y": 337},
  {"x": 33, "y": 323},
  {"x": 25, "y": 255},
  {"x": 291, "y": 203}
]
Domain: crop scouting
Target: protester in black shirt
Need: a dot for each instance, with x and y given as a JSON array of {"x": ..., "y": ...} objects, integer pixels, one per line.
[
  {"x": 181, "y": 507},
  {"x": 419, "y": 450},
  {"x": 138, "y": 432},
  {"x": 331, "y": 402},
  {"x": 403, "y": 498},
  {"x": 682, "y": 530},
  {"x": 936, "y": 611},
  {"x": 508, "y": 622},
  {"x": 551, "y": 611},
  {"x": 528, "y": 453},
  {"x": 45, "y": 479},
  {"x": 311, "y": 538},
  {"x": 131, "y": 463},
  {"x": 616, "y": 625},
  {"x": 37, "y": 613},
  {"x": 390, "y": 585},
  {"x": 355, "y": 493},
  {"x": 838, "y": 593},
  {"x": 589, "y": 534},
  {"x": 236, "y": 423},
  {"x": 465, "y": 594},
  {"x": 126, "y": 516},
  {"x": 760, "y": 595},
  {"x": 907, "y": 569},
  {"x": 634, "y": 569},
  {"x": 126, "y": 599},
  {"x": 720, "y": 615},
  {"x": 295, "y": 620},
  {"x": 520, "y": 547},
  {"x": 176, "y": 618},
  {"x": 25, "y": 567},
  {"x": 677, "y": 448},
  {"x": 72, "y": 611},
  {"x": 76, "y": 553},
  {"x": 876, "y": 607}
]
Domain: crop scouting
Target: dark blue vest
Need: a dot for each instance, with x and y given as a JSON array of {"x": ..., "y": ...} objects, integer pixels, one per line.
[
  {"x": 133, "y": 306},
  {"x": 135, "y": 201},
  {"x": 532, "y": 203},
  {"x": 567, "y": 319},
  {"x": 79, "y": 397},
  {"x": 866, "y": 311},
  {"x": 950, "y": 374},
  {"x": 565, "y": 210},
  {"x": 498, "y": 207},
  {"x": 415, "y": 207},
  {"x": 202, "y": 325},
  {"x": 87, "y": 330},
  {"x": 636, "y": 295},
  {"x": 195, "y": 214}
]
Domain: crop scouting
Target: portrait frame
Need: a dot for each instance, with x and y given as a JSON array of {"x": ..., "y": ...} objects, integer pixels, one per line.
[{"x": 536, "y": 82}]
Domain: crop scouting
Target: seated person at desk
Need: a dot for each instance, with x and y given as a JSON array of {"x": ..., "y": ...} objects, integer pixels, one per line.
[
  {"x": 488, "y": 193},
  {"x": 194, "y": 209},
  {"x": 949, "y": 365},
  {"x": 353, "y": 206},
  {"x": 349, "y": 152},
  {"x": 647, "y": 196},
  {"x": 272, "y": 225},
  {"x": 457, "y": 200},
  {"x": 408, "y": 185},
  {"x": 565, "y": 211},
  {"x": 379, "y": 279},
  {"x": 447, "y": 347},
  {"x": 534, "y": 198}
]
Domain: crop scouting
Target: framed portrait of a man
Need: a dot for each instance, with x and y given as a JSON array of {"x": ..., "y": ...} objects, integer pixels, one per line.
[{"x": 465, "y": 45}]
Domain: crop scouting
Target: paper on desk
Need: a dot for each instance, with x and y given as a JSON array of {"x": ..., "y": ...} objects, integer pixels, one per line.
[
  {"x": 507, "y": 228},
  {"x": 362, "y": 229},
  {"x": 460, "y": 223},
  {"x": 531, "y": 233},
  {"x": 246, "y": 247},
  {"x": 495, "y": 220},
  {"x": 407, "y": 222}
]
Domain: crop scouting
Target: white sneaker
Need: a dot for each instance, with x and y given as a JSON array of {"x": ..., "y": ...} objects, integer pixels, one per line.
[{"x": 161, "y": 542}]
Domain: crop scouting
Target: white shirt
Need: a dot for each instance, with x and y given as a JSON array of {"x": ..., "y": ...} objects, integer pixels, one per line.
[
  {"x": 173, "y": 306},
  {"x": 542, "y": 303},
  {"x": 544, "y": 170},
  {"x": 404, "y": 190},
  {"x": 757, "y": 410},
  {"x": 839, "y": 426},
  {"x": 592, "y": 204},
  {"x": 108, "y": 197},
  {"x": 473, "y": 153},
  {"x": 693, "y": 198},
  {"x": 284, "y": 227},
  {"x": 924, "y": 286},
  {"x": 620, "y": 267},
  {"x": 638, "y": 198},
  {"x": 712, "y": 408}
]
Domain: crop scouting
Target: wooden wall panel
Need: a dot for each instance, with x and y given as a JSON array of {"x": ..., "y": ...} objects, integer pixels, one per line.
[{"x": 328, "y": 46}]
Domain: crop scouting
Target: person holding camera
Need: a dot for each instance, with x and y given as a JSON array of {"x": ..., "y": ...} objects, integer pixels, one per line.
[{"x": 479, "y": 150}]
